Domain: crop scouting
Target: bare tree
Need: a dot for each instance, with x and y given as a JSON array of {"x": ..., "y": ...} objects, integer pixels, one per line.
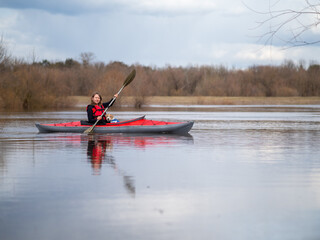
[
  {"x": 292, "y": 25},
  {"x": 4, "y": 55},
  {"x": 87, "y": 58}
]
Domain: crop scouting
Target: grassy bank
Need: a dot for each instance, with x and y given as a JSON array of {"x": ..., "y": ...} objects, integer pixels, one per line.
[{"x": 160, "y": 100}]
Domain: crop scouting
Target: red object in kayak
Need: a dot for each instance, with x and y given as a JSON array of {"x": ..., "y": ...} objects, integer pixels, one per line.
[{"x": 138, "y": 125}]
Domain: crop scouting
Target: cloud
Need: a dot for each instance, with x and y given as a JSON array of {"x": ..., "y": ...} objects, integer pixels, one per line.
[
  {"x": 70, "y": 7},
  {"x": 57, "y": 6},
  {"x": 149, "y": 32},
  {"x": 260, "y": 53},
  {"x": 117, "y": 36},
  {"x": 74, "y": 7},
  {"x": 175, "y": 7}
]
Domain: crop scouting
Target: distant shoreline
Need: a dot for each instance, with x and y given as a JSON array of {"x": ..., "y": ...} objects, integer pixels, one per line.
[{"x": 205, "y": 100}]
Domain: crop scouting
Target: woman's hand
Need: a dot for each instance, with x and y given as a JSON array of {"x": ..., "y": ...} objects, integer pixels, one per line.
[
  {"x": 99, "y": 118},
  {"x": 116, "y": 95}
]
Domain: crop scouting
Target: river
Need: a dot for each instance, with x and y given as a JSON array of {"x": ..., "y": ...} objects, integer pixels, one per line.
[{"x": 243, "y": 172}]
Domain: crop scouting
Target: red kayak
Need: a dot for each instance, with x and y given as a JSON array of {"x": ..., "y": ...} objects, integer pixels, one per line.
[{"x": 137, "y": 125}]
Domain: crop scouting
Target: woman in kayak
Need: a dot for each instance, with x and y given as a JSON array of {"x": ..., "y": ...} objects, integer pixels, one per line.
[{"x": 96, "y": 108}]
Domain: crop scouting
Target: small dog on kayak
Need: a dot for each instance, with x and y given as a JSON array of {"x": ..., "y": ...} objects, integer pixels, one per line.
[{"x": 110, "y": 118}]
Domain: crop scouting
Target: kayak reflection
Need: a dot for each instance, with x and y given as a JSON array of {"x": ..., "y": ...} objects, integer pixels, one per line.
[{"x": 100, "y": 148}]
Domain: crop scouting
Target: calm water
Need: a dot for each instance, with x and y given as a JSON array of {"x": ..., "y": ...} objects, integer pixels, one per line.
[{"x": 242, "y": 173}]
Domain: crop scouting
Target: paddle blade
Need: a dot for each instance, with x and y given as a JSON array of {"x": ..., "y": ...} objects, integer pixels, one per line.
[
  {"x": 129, "y": 78},
  {"x": 89, "y": 130}
]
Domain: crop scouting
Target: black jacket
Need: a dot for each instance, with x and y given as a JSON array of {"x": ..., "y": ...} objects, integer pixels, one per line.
[{"x": 91, "y": 118}]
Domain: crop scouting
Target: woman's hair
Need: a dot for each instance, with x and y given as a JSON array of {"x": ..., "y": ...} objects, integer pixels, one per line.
[{"x": 92, "y": 102}]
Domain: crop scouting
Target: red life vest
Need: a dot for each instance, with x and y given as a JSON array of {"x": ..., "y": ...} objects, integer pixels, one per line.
[{"x": 97, "y": 111}]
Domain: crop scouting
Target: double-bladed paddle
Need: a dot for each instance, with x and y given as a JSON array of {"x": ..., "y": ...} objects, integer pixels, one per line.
[{"x": 128, "y": 80}]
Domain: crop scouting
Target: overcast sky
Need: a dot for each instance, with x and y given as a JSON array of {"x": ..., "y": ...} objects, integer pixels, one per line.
[{"x": 148, "y": 32}]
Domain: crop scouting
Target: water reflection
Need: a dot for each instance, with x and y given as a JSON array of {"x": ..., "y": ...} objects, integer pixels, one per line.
[{"x": 99, "y": 151}]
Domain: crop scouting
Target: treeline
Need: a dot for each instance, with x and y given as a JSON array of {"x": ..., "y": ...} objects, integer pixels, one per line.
[{"x": 48, "y": 84}]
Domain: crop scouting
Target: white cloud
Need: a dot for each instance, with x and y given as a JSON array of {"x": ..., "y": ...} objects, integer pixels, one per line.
[
  {"x": 177, "y": 6},
  {"x": 260, "y": 53}
]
